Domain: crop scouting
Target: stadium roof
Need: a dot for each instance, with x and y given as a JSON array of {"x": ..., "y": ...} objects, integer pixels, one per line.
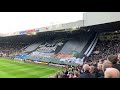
[
  {"x": 97, "y": 21},
  {"x": 59, "y": 27}
]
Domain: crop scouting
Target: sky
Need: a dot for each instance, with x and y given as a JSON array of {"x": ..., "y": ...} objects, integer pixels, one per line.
[{"x": 20, "y": 21}]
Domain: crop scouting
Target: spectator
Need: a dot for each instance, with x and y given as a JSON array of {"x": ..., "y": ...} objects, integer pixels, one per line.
[
  {"x": 71, "y": 75},
  {"x": 91, "y": 69},
  {"x": 100, "y": 61},
  {"x": 119, "y": 57},
  {"x": 86, "y": 73},
  {"x": 106, "y": 64},
  {"x": 114, "y": 59},
  {"x": 112, "y": 73},
  {"x": 100, "y": 73},
  {"x": 76, "y": 74}
]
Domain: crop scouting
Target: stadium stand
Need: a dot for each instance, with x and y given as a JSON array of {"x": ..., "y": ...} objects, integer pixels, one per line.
[
  {"x": 31, "y": 47},
  {"x": 105, "y": 48},
  {"x": 7, "y": 48},
  {"x": 76, "y": 44},
  {"x": 46, "y": 51},
  {"x": 85, "y": 49},
  {"x": 103, "y": 58},
  {"x": 83, "y": 54}
]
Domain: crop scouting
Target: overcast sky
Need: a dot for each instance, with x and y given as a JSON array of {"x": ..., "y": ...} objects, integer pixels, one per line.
[{"x": 19, "y": 21}]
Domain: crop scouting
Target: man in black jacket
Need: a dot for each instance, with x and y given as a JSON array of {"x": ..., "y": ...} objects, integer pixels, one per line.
[{"x": 86, "y": 73}]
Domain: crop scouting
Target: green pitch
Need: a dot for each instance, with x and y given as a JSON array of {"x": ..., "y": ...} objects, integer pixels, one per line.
[{"x": 16, "y": 69}]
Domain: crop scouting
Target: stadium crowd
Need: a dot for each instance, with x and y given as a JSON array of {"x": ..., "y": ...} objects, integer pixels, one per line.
[
  {"x": 7, "y": 49},
  {"x": 104, "y": 62},
  {"x": 109, "y": 68},
  {"x": 105, "y": 48}
]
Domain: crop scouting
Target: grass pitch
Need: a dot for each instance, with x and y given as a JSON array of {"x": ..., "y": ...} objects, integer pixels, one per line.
[{"x": 16, "y": 69}]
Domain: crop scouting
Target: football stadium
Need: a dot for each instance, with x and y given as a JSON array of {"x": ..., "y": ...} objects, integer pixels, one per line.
[{"x": 88, "y": 48}]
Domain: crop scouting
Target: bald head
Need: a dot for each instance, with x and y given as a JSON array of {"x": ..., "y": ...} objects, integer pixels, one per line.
[
  {"x": 86, "y": 67},
  {"x": 112, "y": 73},
  {"x": 106, "y": 64}
]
